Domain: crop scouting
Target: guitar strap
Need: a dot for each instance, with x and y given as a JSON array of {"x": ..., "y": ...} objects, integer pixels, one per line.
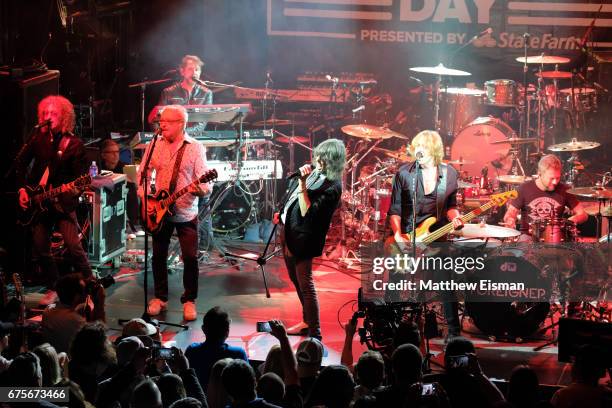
[
  {"x": 61, "y": 149},
  {"x": 177, "y": 166},
  {"x": 441, "y": 190}
]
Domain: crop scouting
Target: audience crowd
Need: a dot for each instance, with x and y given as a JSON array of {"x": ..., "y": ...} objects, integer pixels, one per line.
[{"x": 136, "y": 371}]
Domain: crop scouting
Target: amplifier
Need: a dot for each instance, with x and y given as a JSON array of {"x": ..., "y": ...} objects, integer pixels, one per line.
[{"x": 107, "y": 202}]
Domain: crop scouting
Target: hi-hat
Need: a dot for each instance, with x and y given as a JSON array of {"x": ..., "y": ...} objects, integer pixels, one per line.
[
  {"x": 460, "y": 162},
  {"x": 544, "y": 59},
  {"x": 370, "y": 132},
  {"x": 512, "y": 179},
  {"x": 291, "y": 139},
  {"x": 516, "y": 140},
  {"x": 465, "y": 184},
  {"x": 486, "y": 231},
  {"x": 440, "y": 70},
  {"x": 596, "y": 192},
  {"x": 555, "y": 74},
  {"x": 573, "y": 146}
]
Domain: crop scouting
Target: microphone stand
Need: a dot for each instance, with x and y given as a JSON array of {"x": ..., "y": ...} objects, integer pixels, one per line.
[{"x": 144, "y": 181}]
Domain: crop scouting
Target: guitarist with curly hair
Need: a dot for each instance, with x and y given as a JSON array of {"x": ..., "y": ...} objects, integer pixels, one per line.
[{"x": 54, "y": 156}]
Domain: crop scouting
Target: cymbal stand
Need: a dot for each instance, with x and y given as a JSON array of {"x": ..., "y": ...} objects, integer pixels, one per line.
[
  {"x": 524, "y": 131},
  {"x": 516, "y": 164},
  {"x": 437, "y": 124}
]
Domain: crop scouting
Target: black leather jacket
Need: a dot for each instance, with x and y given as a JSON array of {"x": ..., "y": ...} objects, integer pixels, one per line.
[{"x": 177, "y": 95}]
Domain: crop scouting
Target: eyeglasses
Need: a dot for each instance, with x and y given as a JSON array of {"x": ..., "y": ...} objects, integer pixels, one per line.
[
  {"x": 110, "y": 152},
  {"x": 170, "y": 121}
]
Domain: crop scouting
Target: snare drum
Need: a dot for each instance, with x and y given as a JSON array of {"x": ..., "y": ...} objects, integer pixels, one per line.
[
  {"x": 553, "y": 230},
  {"x": 502, "y": 92}
]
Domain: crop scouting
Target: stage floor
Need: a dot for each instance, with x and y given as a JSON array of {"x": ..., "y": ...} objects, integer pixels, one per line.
[{"x": 240, "y": 290}]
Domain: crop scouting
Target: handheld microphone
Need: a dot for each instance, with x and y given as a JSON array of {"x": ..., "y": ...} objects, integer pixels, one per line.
[
  {"x": 43, "y": 124},
  {"x": 297, "y": 173},
  {"x": 419, "y": 155},
  {"x": 269, "y": 77}
]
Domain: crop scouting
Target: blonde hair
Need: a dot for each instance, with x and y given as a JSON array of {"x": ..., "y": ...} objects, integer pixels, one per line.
[
  {"x": 193, "y": 58},
  {"x": 68, "y": 118},
  {"x": 432, "y": 142},
  {"x": 549, "y": 161}
]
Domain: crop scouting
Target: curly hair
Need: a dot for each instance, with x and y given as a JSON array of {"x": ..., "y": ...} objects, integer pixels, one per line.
[{"x": 68, "y": 118}]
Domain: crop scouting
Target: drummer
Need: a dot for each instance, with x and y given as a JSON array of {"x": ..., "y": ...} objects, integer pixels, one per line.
[{"x": 544, "y": 198}]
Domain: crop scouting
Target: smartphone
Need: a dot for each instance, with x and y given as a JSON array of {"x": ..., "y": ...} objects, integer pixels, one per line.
[
  {"x": 459, "y": 361},
  {"x": 263, "y": 327},
  {"x": 428, "y": 389},
  {"x": 163, "y": 353}
]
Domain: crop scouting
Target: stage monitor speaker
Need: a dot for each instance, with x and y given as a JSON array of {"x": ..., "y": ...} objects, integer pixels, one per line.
[{"x": 574, "y": 333}]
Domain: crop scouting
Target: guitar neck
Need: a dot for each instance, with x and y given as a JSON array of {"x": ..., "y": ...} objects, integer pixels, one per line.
[
  {"x": 51, "y": 193},
  {"x": 179, "y": 193},
  {"x": 466, "y": 218}
]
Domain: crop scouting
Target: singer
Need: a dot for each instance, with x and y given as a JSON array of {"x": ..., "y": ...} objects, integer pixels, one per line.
[
  {"x": 306, "y": 216},
  {"x": 57, "y": 157},
  {"x": 436, "y": 196}
]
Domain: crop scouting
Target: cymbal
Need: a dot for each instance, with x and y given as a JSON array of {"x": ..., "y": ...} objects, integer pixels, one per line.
[
  {"x": 554, "y": 74},
  {"x": 599, "y": 193},
  {"x": 544, "y": 59},
  {"x": 280, "y": 122},
  {"x": 370, "y": 132},
  {"x": 465, "y": 184},
  {"x": 593, "y": 209},
  {"x": 294, "y": 139},
  {"x": 512, "y": 179},
  {"x": 573, "y": 146},
  {"x": 516, "y": 140},
  {"x": 578, "y": 90},
  {"x": 440, "y": 70},
  {"x": 487, "y": 231},
  {"x": 399, "y": 155},
  {"x": 459, "y": 162}
]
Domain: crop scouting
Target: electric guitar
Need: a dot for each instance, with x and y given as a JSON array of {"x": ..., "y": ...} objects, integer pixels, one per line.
[
  {"x": 423, "y": 236},
  {"x": 158, "y": 205},
  {"x": 39, "y": 198}
]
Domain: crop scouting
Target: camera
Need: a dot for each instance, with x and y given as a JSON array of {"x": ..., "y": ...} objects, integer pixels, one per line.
[
  {"x": 428, "y": 389},
  {"x": 460, "y": 361},
  {"x": 163, "y": 353},
  {"x": 263, "y": 327}
]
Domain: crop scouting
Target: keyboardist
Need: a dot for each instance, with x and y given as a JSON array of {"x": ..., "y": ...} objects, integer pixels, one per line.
[{"x": 185, "y": 92}]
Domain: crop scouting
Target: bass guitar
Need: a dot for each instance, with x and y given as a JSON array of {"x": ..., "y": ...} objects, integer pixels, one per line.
[
  {"x": 39, "y": 198},
  {"x": 158, "y": 205},
  {"x": 423, "y": 236}
]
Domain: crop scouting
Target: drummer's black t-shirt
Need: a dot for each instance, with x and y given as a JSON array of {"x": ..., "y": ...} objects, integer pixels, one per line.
[{"x": 537, "y": 204}]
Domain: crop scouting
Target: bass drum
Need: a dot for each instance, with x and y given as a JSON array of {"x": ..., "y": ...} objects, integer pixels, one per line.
[
  {"x": 515, "y": 319},
  {"x": 232, "y": 211},
  {"x": 473, "y": 144}
]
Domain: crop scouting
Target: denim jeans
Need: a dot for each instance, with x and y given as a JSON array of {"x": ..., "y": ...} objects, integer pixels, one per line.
[{"x": 188, "y": 238}]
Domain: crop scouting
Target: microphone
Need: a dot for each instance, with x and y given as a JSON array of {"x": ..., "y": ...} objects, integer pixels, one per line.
[
  {"x": 43, "y": 124},
  {"x": 419, "y": 155},
  {"x": 526, "y": 35},
  {"x": 198, "y": 81},
  {"x": 297, "y": 173},
  {"x": 417, "y": 80},
  {"x": 485, "y": 32},
  {"x": 269, "y": 77}
]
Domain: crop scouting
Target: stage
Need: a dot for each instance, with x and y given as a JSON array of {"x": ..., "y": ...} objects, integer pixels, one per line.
[{"x": 240, "y": 290}]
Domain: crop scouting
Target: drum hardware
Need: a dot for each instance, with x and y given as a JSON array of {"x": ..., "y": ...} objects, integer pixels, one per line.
[
  {"x": 401, "y": 155},
  {"x": 460, "y": 162},
  {"x": 440, "y": 70},
  {"x": 484, "y": 231},
  {"x": 516, "y": 140},
  {"x": 502, "y": 93}
]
